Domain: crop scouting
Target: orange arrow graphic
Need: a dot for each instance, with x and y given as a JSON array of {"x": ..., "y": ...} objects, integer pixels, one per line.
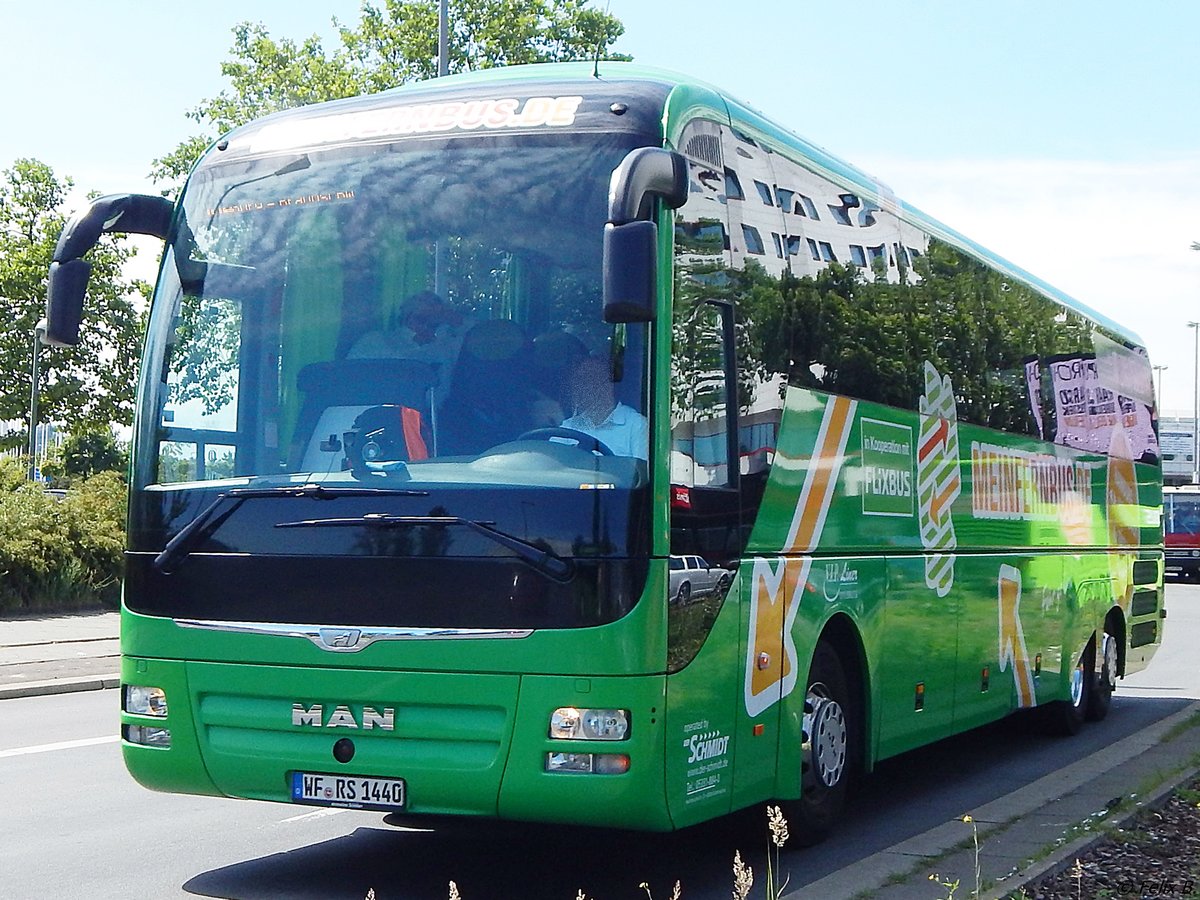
[
  {"x": 1012, "y": 637},
  {"x": 776, "y": 588},
  {"x": 771, "y": 614}
]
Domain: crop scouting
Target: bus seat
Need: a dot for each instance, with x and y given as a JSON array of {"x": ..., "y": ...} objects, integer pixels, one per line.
[
  {"x": 337, "y": 392},
  {"x": 490, "y": 395}
]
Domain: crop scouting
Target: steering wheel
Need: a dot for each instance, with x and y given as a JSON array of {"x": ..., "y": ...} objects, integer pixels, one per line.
[{"x": 582, "y": 439}]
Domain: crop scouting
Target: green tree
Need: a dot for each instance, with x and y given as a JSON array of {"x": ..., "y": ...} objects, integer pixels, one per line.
[
  {"x": 90, "y": 385},
  {"x": 391, "y": 44},
  {"x": 88, "y": 452}
]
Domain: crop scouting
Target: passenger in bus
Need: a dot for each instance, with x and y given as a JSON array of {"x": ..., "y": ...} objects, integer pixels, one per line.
[
  {"x": 597, "y": 412},
  {"x": 431, "y": 331}
]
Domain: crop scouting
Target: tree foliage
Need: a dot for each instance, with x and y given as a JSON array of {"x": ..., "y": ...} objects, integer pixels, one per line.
[
  {"x": 393, "y": 43},
  {"x": 86, "y": 452},
  {"x": 91, "y": 384}
]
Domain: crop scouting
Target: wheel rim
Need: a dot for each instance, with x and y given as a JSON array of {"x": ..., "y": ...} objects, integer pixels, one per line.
[
  {"x": 825, "y": 737},
  {"x": 1108, "y": 672},
  {"x": 1077, "y": 685}
]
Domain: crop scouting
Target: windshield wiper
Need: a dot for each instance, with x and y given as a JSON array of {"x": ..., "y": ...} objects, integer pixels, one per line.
[
  {"x": 544, "y": 561},
  {"x": 226, "y": 504}
]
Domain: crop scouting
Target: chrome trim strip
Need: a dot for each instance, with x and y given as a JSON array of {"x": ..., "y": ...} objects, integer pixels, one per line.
[{"x": 348, "y": 638}]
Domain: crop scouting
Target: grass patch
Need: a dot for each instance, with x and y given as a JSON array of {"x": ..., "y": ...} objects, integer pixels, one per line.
[{"x": 1192, "y": 721}]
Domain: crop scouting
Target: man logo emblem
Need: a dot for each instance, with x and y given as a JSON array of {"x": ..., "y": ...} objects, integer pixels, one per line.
[{"x": 340, "y": 638}]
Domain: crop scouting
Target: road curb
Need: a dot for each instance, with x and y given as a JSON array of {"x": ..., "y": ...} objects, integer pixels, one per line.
[
  {"x": 57, "y": 641},
  {"x": 60, "y": 686},
  {"x": 904, "y": 862}
]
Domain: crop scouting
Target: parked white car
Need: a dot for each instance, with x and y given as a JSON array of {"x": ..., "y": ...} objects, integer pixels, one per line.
[{"x": 692, "y": 576}]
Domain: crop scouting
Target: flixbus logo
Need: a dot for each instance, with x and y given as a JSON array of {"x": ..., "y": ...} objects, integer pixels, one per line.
[
  {"x": 343, "y": 717},
  {"x": 887, "y": 468}
]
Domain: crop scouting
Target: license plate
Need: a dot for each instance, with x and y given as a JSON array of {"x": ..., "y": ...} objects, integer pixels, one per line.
[{"x": 348, "y": 791}]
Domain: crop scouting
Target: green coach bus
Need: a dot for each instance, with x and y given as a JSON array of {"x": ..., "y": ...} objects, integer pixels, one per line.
[{"x": 575, "y": 444}]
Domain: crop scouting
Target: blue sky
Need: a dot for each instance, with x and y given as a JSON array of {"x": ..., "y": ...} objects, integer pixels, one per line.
[{"x": 1060, "y": 134}]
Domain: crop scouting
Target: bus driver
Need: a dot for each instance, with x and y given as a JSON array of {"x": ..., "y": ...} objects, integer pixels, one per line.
[{"x": 597, "y": 413}]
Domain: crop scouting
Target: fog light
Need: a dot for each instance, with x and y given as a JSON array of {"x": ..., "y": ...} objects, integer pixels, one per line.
[
  {"x": 570, "y": 724},
  {"x": 148, "y": 736},
  {"x": 588, "y": 763},
  {"x": 145, "y": 701},
  {"x": 568, "y": 762}
]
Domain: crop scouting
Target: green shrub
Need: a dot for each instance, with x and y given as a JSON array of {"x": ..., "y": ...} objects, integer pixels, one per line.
[{"x": 60, "y": 554}]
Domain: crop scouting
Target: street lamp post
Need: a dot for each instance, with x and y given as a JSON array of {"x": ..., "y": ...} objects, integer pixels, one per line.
[
  {"x": 1158, "y": 395},
  {"x": 38, "y": 332},
  {"x": 443, "y": 38},
  {"x": 1196, "y": 399},
  {"x": 1195, "y": 326}
]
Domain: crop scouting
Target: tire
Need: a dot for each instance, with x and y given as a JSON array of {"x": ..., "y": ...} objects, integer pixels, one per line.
[
  {"x": 684, "y": 594},
  {"x": 1065, "y": 717},
  {"x": 1104, "y": 682},
  {"x": 827, "y": 752}
]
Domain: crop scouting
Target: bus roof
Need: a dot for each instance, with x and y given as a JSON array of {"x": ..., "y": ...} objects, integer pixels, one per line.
[{"x": 622, "y": 82}]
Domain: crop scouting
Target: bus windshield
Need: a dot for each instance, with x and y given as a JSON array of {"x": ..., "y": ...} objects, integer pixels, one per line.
[{"x": 422, "y": 317}]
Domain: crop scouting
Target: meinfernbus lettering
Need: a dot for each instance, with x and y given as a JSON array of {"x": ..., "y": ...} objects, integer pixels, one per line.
[{"x": 434, "y": 118}]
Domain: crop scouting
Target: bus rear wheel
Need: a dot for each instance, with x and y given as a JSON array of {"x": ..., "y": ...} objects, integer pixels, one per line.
[
  {"x": 1065, "y": 717},
  {"x": 1104, "y": 681},
  {"x": 826, "y": 751}
]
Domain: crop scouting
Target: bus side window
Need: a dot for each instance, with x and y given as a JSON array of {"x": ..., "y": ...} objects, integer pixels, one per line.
[{"x": 199, "y": 427}]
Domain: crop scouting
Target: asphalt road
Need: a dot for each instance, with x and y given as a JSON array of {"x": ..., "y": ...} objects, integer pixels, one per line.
[{"x": 73, "y": 824}]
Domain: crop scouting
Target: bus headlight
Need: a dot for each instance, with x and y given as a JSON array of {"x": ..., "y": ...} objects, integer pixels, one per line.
[
  {"x": 570, "y": 724},
  {"x": 145, "y": 701}
]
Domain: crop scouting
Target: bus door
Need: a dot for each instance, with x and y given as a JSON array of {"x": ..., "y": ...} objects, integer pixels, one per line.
[{"x": 703, "y": 621}]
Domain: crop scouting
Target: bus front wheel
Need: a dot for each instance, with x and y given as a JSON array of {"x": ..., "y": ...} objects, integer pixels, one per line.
[{"x": 826, "y": 749}]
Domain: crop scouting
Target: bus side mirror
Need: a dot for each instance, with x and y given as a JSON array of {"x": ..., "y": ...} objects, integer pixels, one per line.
[
  {"x": 631, "y": 236},
  {"x": 64, "y": 301},
  {"x": 69, "y": 273},
  {"x": 630, "y": 271}
]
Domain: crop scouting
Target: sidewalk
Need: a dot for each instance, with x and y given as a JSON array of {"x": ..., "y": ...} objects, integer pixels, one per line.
[
  {"x": 1039, "y": 828},
  {"x": 58, "y": 654}
]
